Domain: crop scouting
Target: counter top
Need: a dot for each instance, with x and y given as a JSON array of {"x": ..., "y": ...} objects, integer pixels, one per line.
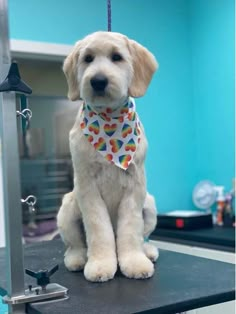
[{"x": 218, "y": 238}]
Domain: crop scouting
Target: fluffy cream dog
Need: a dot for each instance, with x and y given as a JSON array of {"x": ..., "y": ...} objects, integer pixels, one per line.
[{"x": 110, "y": 204}]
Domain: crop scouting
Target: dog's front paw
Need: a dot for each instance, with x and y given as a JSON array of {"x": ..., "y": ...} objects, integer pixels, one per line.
[
  {"x": 99, "y": 270},
  {"x": 75, "y": 259},
  {"x": 136, "y": 265}
]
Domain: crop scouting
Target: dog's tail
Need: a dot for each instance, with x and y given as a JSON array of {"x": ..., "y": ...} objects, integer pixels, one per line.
[{"x": 149, "y": 215}]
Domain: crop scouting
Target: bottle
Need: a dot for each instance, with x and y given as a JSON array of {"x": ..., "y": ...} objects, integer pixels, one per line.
[
  {"x": 233, "y": 193},
  {"x": 220, "y": 200}
]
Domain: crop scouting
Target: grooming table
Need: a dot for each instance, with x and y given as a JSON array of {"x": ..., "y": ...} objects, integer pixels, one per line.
[{"x": 181, "y": 282}]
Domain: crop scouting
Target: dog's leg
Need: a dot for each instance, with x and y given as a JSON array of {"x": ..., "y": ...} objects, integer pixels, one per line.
[
  {"x": 132, "y": 259},
  {"x": 69, "y": 221},
  {"x": 149, "y": 215},
  {"x": 102, "y": 261},
  {"x": 150, "y": 221}
]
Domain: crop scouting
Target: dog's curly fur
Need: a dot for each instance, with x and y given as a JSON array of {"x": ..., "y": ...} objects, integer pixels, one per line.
[{"x": 110, "y": 204}]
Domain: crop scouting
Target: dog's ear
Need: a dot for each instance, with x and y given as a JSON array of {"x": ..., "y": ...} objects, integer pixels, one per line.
[
  {"x": 70, "y": 70},
  {"x": 144, "y": 66}
]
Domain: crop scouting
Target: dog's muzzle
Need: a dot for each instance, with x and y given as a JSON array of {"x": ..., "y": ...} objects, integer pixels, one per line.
[{"x": 99, "y": 83}]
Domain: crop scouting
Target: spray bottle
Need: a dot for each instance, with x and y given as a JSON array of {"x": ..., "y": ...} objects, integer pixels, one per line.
[{"x": 220, "y": 200}]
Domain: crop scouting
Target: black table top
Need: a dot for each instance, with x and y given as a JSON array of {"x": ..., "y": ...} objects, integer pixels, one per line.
[
  {"x": 218, "y": 238},
  {"x": 181, "y": 282}
]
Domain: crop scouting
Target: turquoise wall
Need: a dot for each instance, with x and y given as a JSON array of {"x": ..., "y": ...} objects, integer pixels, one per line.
[
  {"x": 3, "y": 307},
  {"x": 173, "y": 108},
  {"x": 212, "y": 44}
]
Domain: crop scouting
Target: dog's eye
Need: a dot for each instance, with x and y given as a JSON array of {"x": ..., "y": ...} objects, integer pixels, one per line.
[
  {"x": 88, "y": 59},
  {"x": 116, "y": 57}
]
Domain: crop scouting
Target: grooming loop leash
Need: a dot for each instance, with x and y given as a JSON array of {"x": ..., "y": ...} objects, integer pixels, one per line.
[{"x": 109, "y": 15}]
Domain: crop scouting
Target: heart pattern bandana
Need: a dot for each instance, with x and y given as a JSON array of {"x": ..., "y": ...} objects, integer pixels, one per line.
[{"x": 115, "y": 134}]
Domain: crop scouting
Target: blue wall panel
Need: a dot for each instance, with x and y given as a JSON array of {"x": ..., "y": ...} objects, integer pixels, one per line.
[{"x": 213, "y": 34}]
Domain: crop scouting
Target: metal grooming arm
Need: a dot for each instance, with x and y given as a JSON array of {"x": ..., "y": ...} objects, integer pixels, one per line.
[
  {"x": 10, "y": 170},
  {"x": 17, "y": 297}
]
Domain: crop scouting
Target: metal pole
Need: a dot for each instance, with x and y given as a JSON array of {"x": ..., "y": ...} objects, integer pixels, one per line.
[{"x": 11, "y": 174}]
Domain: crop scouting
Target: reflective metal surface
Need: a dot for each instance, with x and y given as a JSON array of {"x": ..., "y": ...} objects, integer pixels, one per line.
[
  {"x": 53, "y": 291},
  {"x": 10, "y": 163}
]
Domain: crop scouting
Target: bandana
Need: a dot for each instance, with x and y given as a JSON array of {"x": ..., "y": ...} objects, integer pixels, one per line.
[{"x": 115, "y": 134}]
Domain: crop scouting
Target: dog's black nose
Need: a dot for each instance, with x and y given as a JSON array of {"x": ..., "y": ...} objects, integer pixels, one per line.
[{"x": 99, "y": 82}]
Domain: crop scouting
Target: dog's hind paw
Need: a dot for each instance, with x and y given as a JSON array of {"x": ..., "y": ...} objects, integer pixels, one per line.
[
  {"x": 75, "y": 259},
  {"x": 136, "y": 265},
  {"x": 100, "y": 270},
  {"x": 151, "y": 251}
]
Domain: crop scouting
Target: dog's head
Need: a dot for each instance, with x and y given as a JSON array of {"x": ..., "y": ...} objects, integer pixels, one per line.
[{"x": 105, "y": 68}]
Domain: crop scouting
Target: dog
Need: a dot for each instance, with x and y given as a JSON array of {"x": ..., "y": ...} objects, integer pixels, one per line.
[{"x": 105, "y": 219}]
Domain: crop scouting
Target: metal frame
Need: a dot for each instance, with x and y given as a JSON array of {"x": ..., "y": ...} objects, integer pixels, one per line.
[
  {"x": 11, "y": 176},
  {"x": 17, "y": 297}
]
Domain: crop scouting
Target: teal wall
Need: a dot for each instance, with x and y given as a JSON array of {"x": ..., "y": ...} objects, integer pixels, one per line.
[
  {"x": 173, "y": 108},
  {"x": 213, "y": 33},
  {"x": 3, "y": 307}
]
